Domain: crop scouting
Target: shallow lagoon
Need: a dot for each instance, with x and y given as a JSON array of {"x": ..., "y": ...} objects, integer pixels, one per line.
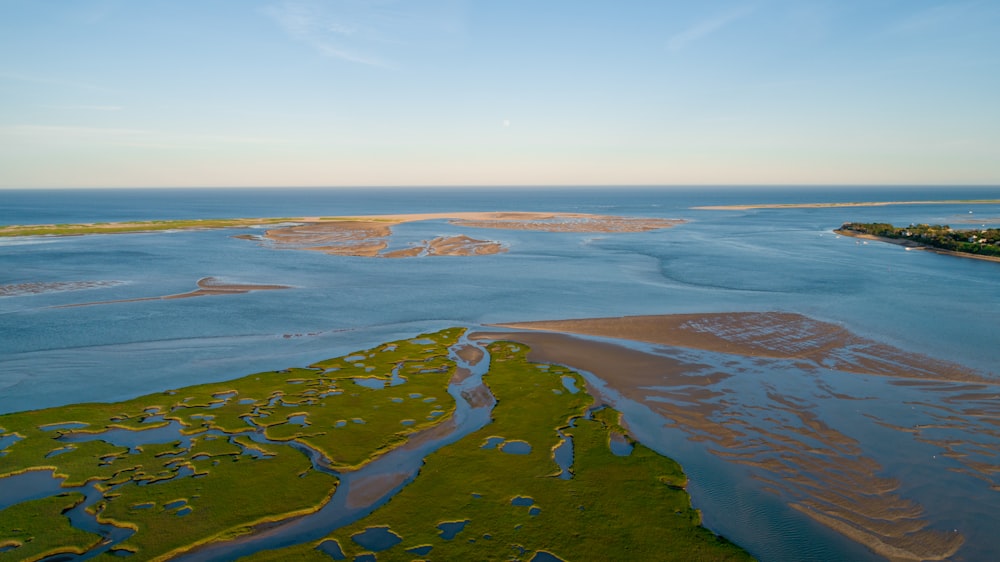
[{"x": 784, "y": 260}]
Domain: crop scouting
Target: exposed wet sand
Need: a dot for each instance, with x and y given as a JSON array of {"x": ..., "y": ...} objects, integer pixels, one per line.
[
  {"x": 565, "y": 222},
  {"x": 776, "y": 335},
  {"x": 450, "y": 246},
  {"x": 369, "y": 236},
  {"x": 752, "y": 411},
  {"x": 207, "y": 286},
  {"x": 365, "y": 491}
]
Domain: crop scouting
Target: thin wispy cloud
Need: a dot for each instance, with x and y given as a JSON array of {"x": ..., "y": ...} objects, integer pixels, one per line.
[
  {"x": 369, "y": 33},
  {"x": 69, "y": 134},
  {"x": 330, "y": 32},
  {"x": 705, "y": 28},
  {"x": 84, "y": 107}
]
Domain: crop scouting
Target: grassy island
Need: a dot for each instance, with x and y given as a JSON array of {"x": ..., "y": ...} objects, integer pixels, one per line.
[
  {"x": 162, "y": 474},
  {"x": 972, "y": 242}
]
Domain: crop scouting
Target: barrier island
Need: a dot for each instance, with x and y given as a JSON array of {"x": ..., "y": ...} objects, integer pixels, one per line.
[{"x": 484, "y": 453}]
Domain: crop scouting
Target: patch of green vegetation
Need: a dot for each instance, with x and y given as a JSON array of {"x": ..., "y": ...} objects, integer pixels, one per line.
[
  {"x": 137, "y": 226},
  {"x": 613, "y": 508},
  {"x": 209, "y": 479},
  {"x": 35, "y": 529},
  {"x": 234, "y": 493},
  {"x": 982, "y": 242}
]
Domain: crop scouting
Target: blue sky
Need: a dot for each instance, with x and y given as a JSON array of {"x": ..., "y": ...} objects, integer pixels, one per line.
[{"x": 498, "y": 92}]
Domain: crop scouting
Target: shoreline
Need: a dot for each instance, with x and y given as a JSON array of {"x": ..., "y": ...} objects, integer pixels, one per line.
[
  {"x": 912, "y": 245},
  {"x": 509, "y": 220},
  {"x": 845, "y": 204}
]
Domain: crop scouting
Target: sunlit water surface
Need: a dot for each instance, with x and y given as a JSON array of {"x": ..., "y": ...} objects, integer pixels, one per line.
[{"x": 719, "y": 261}]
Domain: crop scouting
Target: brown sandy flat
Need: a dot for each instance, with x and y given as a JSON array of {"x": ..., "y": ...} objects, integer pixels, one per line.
[
  {"x": 822, "y": 472},
  {"x": 766, "y": 334},
  {"x": 564, "y": 222},
  {"x": 367, "y": 236},
  {"x": 364, "y": 491},
  {"x": 471, "y": 354}
]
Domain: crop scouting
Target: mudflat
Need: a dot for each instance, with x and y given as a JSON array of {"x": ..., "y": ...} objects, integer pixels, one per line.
[{"x": 752, "y": 391}]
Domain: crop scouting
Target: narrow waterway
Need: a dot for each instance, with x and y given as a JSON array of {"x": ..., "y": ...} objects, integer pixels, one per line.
[
  {"x": 362, "y": 491},
  {"x": 359, "y": 492}
]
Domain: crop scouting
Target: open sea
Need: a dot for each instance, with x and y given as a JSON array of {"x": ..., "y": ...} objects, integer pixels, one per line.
[{"x": 784, "y": 260}]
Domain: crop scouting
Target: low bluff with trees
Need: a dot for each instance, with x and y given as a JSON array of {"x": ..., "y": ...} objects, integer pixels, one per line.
[{"x": 982, "y": 242}]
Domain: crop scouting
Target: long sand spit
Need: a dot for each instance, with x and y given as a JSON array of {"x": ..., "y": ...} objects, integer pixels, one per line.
[{"x": 791, "y": 449}]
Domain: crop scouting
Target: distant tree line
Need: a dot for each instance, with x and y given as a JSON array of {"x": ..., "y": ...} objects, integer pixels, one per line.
[{"x": 984, "y": 242}]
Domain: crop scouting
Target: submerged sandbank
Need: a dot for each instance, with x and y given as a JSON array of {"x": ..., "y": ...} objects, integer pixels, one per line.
[
  {"x": 207, "y": 286},
  {"x": 41, "y": 287},
  {"x": 752, "y": 393}
]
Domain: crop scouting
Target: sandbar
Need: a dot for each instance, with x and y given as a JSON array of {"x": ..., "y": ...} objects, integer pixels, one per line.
[
  {"x": 777, "y": 335},
  {"x": 369, "y": 235},
  {"x": 819, "y": 470},
  {"x": 207, "y": 286}
]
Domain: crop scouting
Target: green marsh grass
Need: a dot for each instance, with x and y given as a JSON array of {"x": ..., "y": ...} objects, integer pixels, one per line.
[
  {"x": 38, "y": 528},
  {"x": 614, "y": 508},
  {"x": 225, "y": 491}
]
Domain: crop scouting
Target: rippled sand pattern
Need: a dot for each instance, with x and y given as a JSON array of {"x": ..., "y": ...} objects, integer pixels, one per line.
[
  {"x": 449, "y": 246},
  {"x": 760, "y": 409},
  {"x": 37, "y": 288},
  {"x": 964, "y": 423},
  {"x": 767, "y": 334},
  {"x": 344, "y": 238}
]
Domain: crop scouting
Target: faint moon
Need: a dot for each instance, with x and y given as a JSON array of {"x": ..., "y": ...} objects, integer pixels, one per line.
[{"x": 506, "y": 122}]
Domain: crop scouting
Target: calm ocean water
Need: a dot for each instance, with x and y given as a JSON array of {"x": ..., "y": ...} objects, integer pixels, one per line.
[{"x": 755, "y": 260}]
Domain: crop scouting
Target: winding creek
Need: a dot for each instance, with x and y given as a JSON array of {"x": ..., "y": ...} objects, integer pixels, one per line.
[{"x": 358, "y": 493}]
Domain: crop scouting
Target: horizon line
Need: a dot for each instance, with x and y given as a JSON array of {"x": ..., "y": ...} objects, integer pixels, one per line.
[{"x": 516, "y": 186}]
